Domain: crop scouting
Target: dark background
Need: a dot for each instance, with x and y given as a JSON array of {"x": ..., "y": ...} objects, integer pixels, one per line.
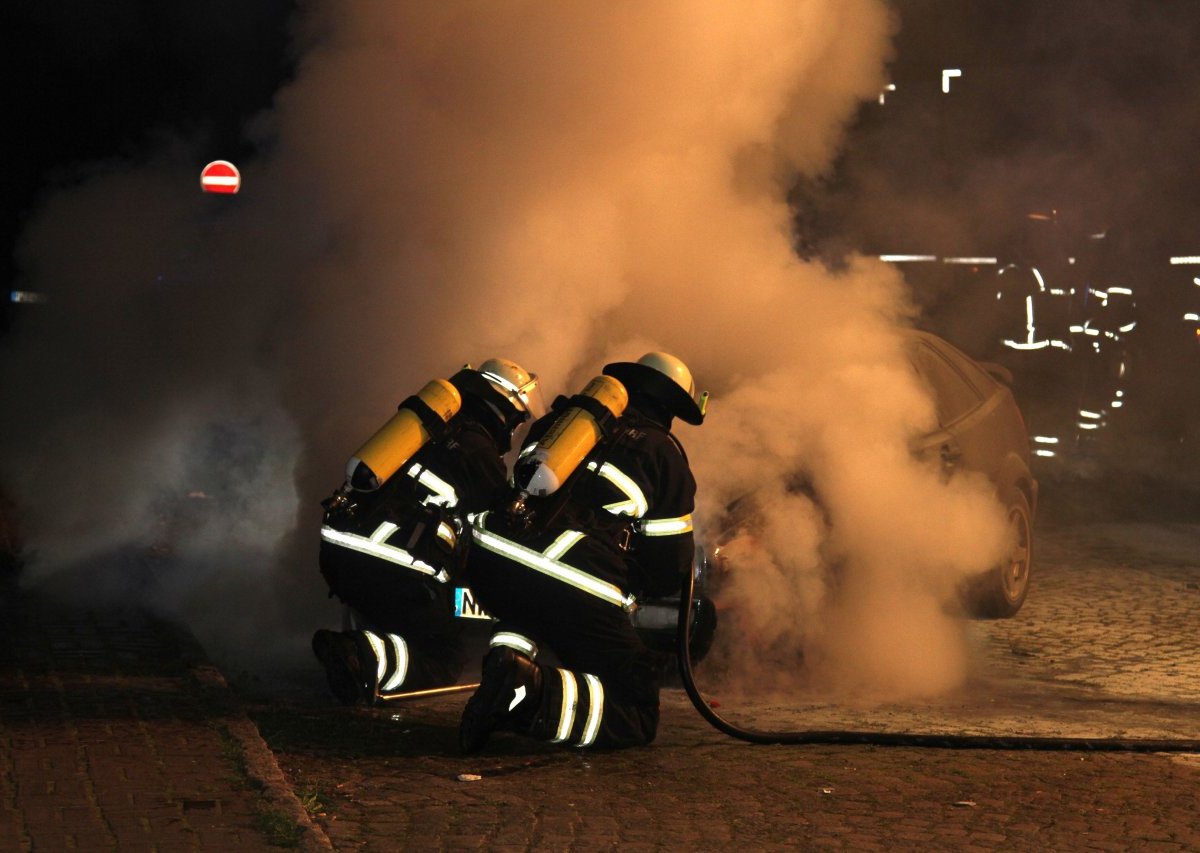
[{"x": 1082, "y": 110}]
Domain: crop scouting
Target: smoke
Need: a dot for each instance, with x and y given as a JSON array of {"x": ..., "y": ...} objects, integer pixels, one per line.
[{"x": 557, "y": 183}]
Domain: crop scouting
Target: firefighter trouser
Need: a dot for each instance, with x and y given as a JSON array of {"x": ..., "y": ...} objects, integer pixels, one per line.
[
  {"x": 410, "y": 615},
  {"x": 605, "y": 667}
]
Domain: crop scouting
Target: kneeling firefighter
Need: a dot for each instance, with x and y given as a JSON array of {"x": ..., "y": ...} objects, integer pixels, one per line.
[
  {"x": 593, "y": 522},
  {"x": 394, "y": 537}
]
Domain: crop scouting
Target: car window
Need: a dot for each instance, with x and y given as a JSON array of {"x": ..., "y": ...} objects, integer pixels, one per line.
[{"x": 954, "y": 395}]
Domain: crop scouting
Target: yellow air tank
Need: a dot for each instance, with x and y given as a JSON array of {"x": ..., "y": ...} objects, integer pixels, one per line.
[
  {"x": 401, "y": 437},
  {"x": 544, "y": 469}
]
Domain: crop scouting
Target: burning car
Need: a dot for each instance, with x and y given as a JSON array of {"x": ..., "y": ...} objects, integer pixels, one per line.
[{"x": 980, "y": 428}]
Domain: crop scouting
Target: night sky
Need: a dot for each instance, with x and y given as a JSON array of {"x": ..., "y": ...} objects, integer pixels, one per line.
[
  {"x": 90, "y": 81},
  {"x": 1091, "y": 102}
]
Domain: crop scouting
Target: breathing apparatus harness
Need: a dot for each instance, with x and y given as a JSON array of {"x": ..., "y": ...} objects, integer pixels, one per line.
[
  {"x": 528, "y": 514},
  {"x": 942, "y": 741}
]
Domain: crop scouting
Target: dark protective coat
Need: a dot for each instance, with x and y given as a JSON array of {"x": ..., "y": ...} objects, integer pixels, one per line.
[
  {"x": 589, "y": 634},
  {"x": 391, "y": 598}
]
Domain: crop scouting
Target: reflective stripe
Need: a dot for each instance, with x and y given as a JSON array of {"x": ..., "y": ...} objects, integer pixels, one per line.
[
  {"x": 666, "y": 526},
  {"x": 373, "y": 546},
  {"x": 446, "y": 533},
  {"x": 401, "y": 650},
  {"x": 559, "y": 571},
  {"x": 383, "y": 531},
  {"x": 635, "y": 505},
  {"x": 380, "y": 656},
  {"x": 570, "y": 699},
  {"x": 563, "y": 544},
  {"x": 595, "y": 710},
  {"x": 443, "y": 493},
  {"x": 522, "y": 644}
]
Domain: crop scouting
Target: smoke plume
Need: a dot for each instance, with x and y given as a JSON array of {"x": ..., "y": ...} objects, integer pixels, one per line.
[{"x": 557, "y": 183}]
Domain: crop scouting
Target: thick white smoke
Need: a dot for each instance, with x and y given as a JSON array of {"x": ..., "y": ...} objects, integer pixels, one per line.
[{"x": 557, "y": 183}]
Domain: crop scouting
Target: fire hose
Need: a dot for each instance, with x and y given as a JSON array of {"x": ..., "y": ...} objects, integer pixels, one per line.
[{"x": 942, "y": 741}]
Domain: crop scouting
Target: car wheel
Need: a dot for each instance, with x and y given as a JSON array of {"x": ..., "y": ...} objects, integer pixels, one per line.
[{"x": 1000, "y": 592}]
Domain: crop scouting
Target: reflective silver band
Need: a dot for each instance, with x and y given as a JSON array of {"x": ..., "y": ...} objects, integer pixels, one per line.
[
  {"x": 562, "y": 544},
  {"x": 595, "y": 710},
  {"x": 380, "y": 656},
  {"x": 374, "y": 546},
  {"x": 665, "y": 526},
  {"x": 570, "y": 699},
  {"x": 443, "y": 493},
  {"x": 397, "y": 677},
  {"x": 539, "y": 562},
  {"x": 521, "y": 643},
  {"x": 635, "y": 503}
]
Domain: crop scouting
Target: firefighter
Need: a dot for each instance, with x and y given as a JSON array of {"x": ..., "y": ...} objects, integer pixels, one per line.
[
  {"x": 564, "y": 571},
  {"x": 393, "y": 551}
]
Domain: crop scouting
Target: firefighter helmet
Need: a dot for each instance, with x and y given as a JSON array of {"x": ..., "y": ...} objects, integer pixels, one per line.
[
  {"x": 664, "y": 377},
  {"x": 517, "y": 385}
]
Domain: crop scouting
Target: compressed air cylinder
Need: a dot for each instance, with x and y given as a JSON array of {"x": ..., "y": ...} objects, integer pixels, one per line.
[
  {"x": 570, "y": 438},
  {"x": 401, "y": 437}
]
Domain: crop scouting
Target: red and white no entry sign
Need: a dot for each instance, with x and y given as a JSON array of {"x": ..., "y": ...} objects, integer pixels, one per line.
[{"x": 220, "y": 176}]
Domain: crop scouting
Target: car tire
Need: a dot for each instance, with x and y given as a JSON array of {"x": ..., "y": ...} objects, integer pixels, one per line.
[{"x": 1000, "y": 592}]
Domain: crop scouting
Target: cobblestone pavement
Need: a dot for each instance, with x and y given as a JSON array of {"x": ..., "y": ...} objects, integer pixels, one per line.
[
  {"x": 1106, "y": 646},
  {"x": 117, "y": 735}
]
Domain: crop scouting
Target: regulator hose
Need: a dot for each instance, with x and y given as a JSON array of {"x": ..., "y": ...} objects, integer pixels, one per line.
[{"x": 942, "y": 741}]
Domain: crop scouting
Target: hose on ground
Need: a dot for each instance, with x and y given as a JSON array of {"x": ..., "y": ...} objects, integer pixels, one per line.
[{"x": 939, "y": 741}]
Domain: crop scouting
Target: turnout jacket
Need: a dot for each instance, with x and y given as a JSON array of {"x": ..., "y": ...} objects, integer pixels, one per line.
[
  {"x": 624, "y": 516},
  {"x": 416, "y": 519}
]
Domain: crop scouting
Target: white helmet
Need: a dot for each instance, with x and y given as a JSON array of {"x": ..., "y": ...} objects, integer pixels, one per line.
[
  {"x": 515, "y": 384},
  {"x": 665, "y": 377}
]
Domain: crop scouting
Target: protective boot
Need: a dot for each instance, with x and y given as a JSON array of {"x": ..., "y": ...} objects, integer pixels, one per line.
[
  {"x": 572, "y": 709},
  {"x": 350, "y": 665},
  {"x": 508, "y": 698}
]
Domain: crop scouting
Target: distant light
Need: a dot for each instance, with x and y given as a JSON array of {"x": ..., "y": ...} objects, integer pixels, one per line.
[
  {"x": 949, "y": 74},
  {"x": 1196, "y": 281},
  {"x": 890, "y": 87},
  {"x": 1085, "y": 413},
  {"x": 1116, "y": 404},
  {"x": 1124, "y": 290},
  {"x": 1045, "y": 439},
  {"x": 903, "y": 259},
  {"x": 26, "y": 296},
  {"x": 1192, "y": 317},
  {"x": 1089, "y": 426},
  {"x": 1070, "y": 260},
  {"x": 1120, "y": 393},
  {"x": 1044, "y": 453},
  {"x": 220, "y": 176},
  {"x": 969, "y": 260},
  {"x": 1185, "y": 259},
  {"x": 1041, "y": 281}
]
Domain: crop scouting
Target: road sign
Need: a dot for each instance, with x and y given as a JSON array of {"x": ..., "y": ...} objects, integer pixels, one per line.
[{"x": 220, "y": 176}]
